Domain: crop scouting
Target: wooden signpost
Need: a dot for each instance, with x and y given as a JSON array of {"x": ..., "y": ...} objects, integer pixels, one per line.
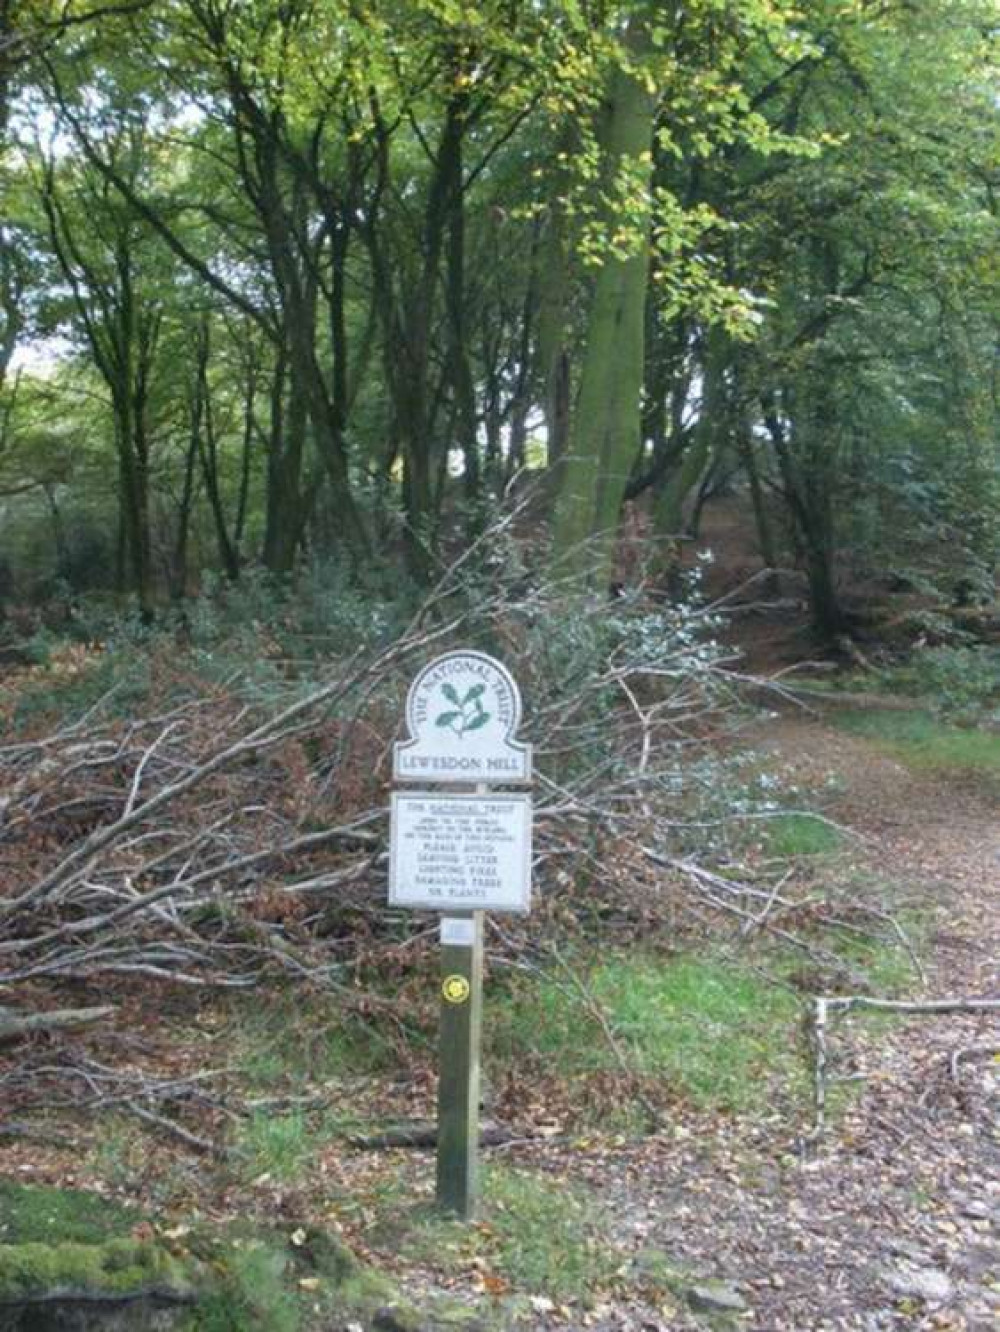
[{"x": 461, "y": 854}]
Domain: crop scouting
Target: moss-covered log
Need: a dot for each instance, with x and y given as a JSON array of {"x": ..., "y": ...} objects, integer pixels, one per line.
[
  {"x": 71, "y": 1261},
  {"x": 127, "y": 1283}
]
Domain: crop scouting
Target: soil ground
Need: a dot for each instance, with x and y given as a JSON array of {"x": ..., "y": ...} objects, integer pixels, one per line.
[
  {"x": 891, "y": 1218},
  {"x": 901, "y": 1195}
]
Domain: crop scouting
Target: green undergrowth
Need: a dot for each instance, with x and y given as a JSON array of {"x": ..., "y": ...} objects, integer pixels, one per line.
[
  {"x": 285, "y": 1281},
  {"x": 958, "y": 682},
  {"x": 549, "y": 1236},
  {"x": 922, "y": 741},
  {"x": 106, "y": 658},
  {"x": 112, "y": 683},
  {"x": 287, "y": 1047},
  {"x": 716, "y": 1032},
  {"x": 879, "y": 961},
  {"x": 709, "y": 1030},
  {"x": 706, "y": 1030},
  {"x": 801, "y": 834},
  {"x": 33, "y": 1214},
  {"x": 253, "y": 1292},
  {"x": 536, "y": 1234},
  {"x": 279, "y": 1045},
  {"x": 277, "y": 1146}
]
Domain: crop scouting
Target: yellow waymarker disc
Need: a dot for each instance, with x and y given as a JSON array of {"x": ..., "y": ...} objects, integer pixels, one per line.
[{"x": 455, "y": 989}]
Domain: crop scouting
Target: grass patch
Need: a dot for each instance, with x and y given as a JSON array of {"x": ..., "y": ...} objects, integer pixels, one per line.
[
  {"x": 120, "y": 1153},
  {"x": 254, "y": 1292},
  {"x": 299, "y": 1280},
  {"x": 278, "y": 1146},
  {"x": 288, "y": 1047},
  {"x": 34, "y": 1214},
  {"x": 286, "y": 1044},
  {"x": 538, "y": 1235},
  {"x": 712, "y": 1032},
  {"x": 885, "y": 965},
  {"x": 547, "y": 1235},
  {"x": 921, "y": 741},
  {"x": 792, "y": 835}
]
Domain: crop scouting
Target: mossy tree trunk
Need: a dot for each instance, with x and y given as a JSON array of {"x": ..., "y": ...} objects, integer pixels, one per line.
[{"x": 605, "y": 435}]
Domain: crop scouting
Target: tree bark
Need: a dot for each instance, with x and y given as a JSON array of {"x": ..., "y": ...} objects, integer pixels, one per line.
[
  {"x": 606, "y": 432},
  {"x": 811, "y": 514},
  {"x": 18, "y": 1026},
  {"x": 285, "y": 507}
]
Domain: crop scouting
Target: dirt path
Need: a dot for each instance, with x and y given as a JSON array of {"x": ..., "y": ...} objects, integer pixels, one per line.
[
  {"x": 890, "y": 1221},
  {"x": 893, "y": 1220},
  {"x": 936, "y": 833}
]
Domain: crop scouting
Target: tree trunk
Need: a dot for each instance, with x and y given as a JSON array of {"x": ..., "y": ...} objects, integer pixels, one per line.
[
  {"x": 762, "y": 519},
  {"x": 606, "y": 432},
  {"x": 285, "y": 517},
  {"x": 463, "y": 387},
  {"x": 709, "y": 436},
  {"x": 178, "y": 580},
  {"x": 133, "y": 499},
  {"x": 203, "y": 433},
  {"x": 828, "y": 615},
  {"x": 406, "y": 300},
  {"x": 554, "y": 282},
  {"x": 809, "y": 505}
]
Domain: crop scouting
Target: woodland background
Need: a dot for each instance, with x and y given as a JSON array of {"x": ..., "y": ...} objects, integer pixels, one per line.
[
  {"x": 652, "y": 349},
  {"x": 300, "y": 284}
]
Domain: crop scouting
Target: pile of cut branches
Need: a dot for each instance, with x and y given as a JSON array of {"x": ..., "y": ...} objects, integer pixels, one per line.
[
  {"x": 222, "y": 836},
  {"x": 239, "y": 836}
]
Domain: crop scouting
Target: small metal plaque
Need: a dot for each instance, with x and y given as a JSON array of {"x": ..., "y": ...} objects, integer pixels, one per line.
[{"x": 458, "y": 930}]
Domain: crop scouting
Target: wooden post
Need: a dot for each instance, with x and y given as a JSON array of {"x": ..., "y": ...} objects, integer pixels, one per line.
[
  {"x": 458, "y": 1086},
  {"x": 461, "y": 855}
]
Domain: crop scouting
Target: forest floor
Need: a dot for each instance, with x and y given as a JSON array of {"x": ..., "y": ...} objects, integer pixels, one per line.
[
  {"x": 891, "y": 1218},
  {"x": 722, "y": 1218}
]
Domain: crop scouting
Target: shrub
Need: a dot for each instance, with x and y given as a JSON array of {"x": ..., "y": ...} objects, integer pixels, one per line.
[{"x": 961, "y": 683}]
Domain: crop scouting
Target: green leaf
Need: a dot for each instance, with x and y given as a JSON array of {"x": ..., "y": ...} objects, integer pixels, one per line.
[
  {"x": 478, "y": 722},
  {"x": 450, "y": 694},
  {"x": 475, "y": 692},
  {"x": 447, "y": 718}
]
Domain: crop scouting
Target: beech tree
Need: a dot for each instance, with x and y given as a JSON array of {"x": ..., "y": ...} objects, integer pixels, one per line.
[{"x": 381, "y": 261}]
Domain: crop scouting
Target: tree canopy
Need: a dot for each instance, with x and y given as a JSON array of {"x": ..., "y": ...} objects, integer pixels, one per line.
[{"x": 304, "y": 280}]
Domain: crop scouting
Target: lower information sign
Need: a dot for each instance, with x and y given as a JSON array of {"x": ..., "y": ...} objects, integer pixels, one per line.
[{"x": 460, "y": 852}]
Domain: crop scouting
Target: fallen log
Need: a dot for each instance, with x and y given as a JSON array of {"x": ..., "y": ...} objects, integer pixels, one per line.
[
  {"x": 16, "y": 1026},
  {"x": 424, "y": 1133},
  {"x": 826, "y": 1006},
  {"x": 925, "y": 1008}
]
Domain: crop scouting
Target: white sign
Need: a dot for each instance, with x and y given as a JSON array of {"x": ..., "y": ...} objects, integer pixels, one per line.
[
  {"x": 460, "y": 852},
  {"x": 462, "y": 714},
  {"x": 459, "y": 930}
]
